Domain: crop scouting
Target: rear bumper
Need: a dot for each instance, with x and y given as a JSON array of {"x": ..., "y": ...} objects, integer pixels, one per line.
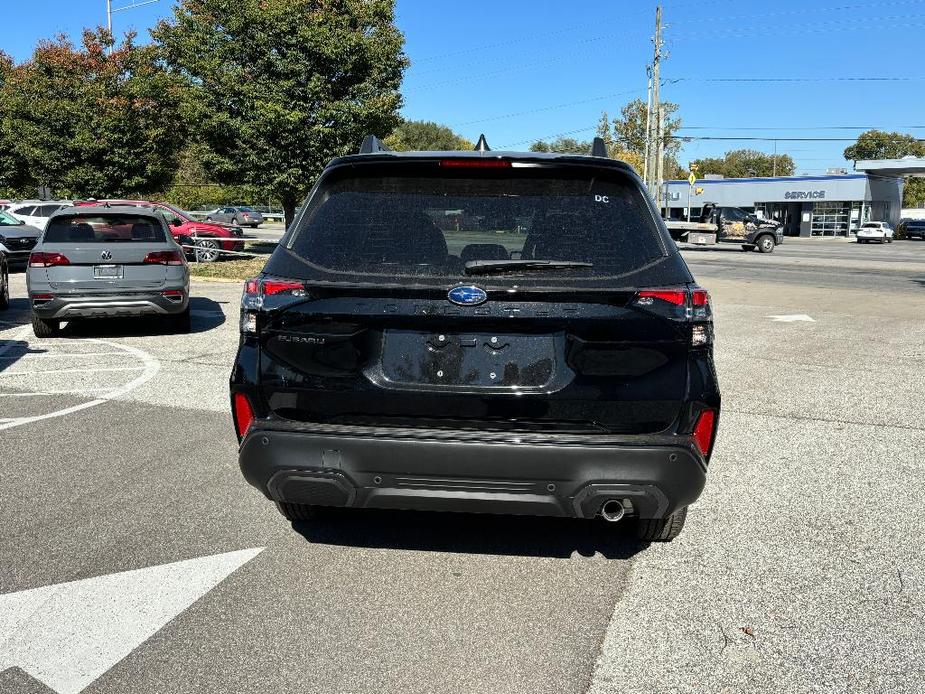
[
  {"x": 147, "y": 304},
  {"x": 382, "y": 470}
]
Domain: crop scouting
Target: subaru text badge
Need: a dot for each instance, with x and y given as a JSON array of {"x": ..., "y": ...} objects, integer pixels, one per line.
[{"x": 467, "y": 296}]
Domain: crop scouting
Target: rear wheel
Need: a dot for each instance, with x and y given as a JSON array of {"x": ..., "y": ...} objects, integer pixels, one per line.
[
  {"x": 5, "y": 290},
  {"x": 765, "y": 243},
  {"x": 661, "y": 529},
  {"x": 45, "y": 328}
]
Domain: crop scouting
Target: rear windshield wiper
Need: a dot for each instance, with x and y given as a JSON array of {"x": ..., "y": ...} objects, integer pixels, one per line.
[{"x": 486, "y": 267}]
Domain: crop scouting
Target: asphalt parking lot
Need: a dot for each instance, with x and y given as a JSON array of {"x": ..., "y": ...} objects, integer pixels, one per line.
[{"x": 800, "y": 568}]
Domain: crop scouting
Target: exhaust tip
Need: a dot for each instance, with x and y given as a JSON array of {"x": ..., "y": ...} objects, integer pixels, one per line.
[{"x": 612, "y": 510}]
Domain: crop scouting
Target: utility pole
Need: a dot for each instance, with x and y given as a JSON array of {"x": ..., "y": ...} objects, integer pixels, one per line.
[
  {"x": 775, "y": 159},
  {"x": 645, "y": 161},
  {"x": 657, "y": 148}
]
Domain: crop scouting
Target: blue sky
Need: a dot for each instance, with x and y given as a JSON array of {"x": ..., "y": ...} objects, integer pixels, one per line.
[{"x": 521, "y": 70}]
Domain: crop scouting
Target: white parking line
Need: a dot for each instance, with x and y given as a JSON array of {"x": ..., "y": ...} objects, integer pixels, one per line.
[
  {"x": 74, "y": 391},
  {"x": 150, "y": 367},
  {"x": 71, "y": 371},
  {"x": 61, "y": 355}
]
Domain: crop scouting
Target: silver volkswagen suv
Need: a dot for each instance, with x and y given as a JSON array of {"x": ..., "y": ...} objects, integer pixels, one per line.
[{"x": 96, "y": 262}]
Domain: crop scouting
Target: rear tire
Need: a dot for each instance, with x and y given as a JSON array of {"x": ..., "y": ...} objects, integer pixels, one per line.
[
  {"x": 303, "y": 512},
  {"x": 765, "y": 243},
  {"x": 661, "y": 529},
  {"x": 45, "y": 328},
  {"x": 5, "y": 292}
]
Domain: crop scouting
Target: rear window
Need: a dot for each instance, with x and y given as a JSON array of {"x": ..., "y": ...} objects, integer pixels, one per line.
[
  {"x": 434, "y": 225},
  {"x": 109, "y": 228},
  {"x": 871, "y": 225}
]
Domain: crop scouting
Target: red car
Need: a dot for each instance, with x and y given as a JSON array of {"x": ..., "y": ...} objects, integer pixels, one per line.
[{"x": 210, "y": 239}]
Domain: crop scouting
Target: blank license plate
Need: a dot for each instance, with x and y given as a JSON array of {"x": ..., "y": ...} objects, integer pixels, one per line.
[{"x": 107, "y": 272}]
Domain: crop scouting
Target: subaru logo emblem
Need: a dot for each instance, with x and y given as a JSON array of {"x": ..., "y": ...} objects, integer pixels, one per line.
[
  {"x": 106, "y": 255},
  {"x": 467, "y": 296}
]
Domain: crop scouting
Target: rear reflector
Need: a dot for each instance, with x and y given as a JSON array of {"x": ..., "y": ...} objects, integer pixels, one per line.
[
  {"x": 47, "y": 259},
  {"x": 703, "y": 431},
  {"x": 475, "y": 163},
  {"x": 42, "y": 297},
  {"x": 243, "y": 414},
  {"x": 164, "y": 258},
  {"x": 173, "y": 293}
]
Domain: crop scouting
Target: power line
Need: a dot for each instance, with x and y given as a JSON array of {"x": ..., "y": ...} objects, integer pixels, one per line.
[{"x": 541, "y": 109}]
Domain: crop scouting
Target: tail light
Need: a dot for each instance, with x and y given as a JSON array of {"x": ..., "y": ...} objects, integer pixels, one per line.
[
  {"x": 47, "y": 259},
  {"x": 257, "y": 289},
  {"x": 683, "y": 305},
  {"x": 704, "y": 430},
  {"x": 164, "y": 258},
  {"x": 243, "y": 414}
]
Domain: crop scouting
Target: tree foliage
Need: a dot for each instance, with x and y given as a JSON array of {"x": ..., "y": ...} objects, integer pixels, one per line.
[
  {"x": 89, "y": 123},
  {"x": 746, "y": 163},
  {"x": 279, "y": 87},
  {"x": 425, "y": 136},
  {"x": 625, "y": 136},
  {"x": 616, "y": 149},
  {"x": 878, "y": 144},
  {"x": 562, "y": 145}
]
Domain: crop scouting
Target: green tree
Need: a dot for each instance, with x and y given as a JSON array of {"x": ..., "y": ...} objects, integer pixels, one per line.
[
  {"x": 12, "y": 169},
  {"x": 279, "y": 87},
  {"x": 746, "y": 163},
  {"x": 630, "y": 127},
  {"x": 425, "y": 136},
  {"x": 562, "y": 145},
  {"x": 87, "y": 122},
  {"x": 878, "y": 144}
]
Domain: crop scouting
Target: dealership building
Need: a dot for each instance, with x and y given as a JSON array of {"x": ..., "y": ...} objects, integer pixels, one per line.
[{"x": 831, "y": 205}]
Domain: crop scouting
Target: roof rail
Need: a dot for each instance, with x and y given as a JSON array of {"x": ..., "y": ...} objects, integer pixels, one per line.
[
  {"x": 599, "y": 148},
  {"x": 482, "y": 145},
  {"x": 372, "y": 144}
]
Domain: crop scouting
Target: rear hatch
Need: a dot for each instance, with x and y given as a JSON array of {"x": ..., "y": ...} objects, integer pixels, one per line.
[
  {"x": 470, "y": 295},
  {"x": 105, "y": 254}
]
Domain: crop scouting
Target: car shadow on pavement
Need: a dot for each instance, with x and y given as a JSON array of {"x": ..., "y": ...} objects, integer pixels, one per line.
[
  {"x": 18, "y": 314},
  {"x": 11, "y": 351},
  {"x": 206, "y": 315},
  {"x": 466, "y": 533}
]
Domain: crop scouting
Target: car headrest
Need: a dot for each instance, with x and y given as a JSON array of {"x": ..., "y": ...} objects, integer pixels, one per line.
[
  {"x": 484, "y": 251},
  {"x": 142, "y": 230},
  {"x": 82, "y": 232}
]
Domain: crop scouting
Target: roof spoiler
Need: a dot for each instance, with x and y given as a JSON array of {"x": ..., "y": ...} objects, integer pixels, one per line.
[
  {"x": 599, "y": 148},
  {"x": 372, "y": 144},
  {"x": 482, "y": 145}
]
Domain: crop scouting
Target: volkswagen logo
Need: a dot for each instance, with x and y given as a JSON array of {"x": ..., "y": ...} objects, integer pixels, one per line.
[
  {"x": 467, "y": 296},
  {"x": 106, "y": 255}
]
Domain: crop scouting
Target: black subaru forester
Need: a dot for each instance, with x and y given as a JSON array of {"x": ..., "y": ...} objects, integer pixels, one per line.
[{"x": 480, "y": 331}]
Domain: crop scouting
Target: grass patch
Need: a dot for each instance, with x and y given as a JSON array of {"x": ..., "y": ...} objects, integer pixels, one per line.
[{"x": 229, "y": 269}]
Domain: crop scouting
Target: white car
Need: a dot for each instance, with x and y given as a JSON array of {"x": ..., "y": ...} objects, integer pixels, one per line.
[
  {"x": 881, "y": 232},
  {"x": 35, "y": 212}
]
